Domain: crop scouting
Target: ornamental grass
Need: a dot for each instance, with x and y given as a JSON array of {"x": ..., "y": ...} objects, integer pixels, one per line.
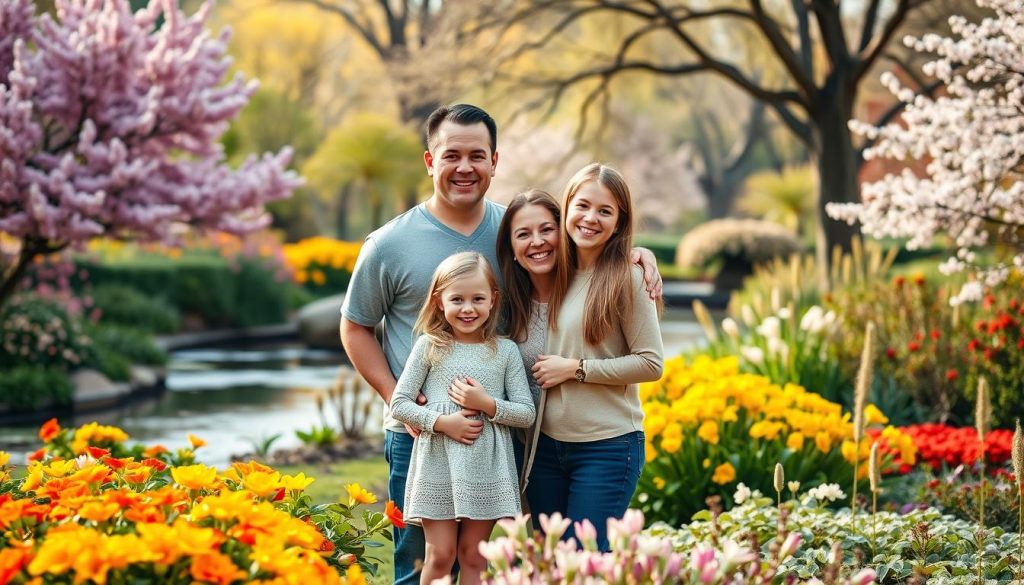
[
  {"x": 707, "y": 423},
  {"x": 91, "y": 509}
]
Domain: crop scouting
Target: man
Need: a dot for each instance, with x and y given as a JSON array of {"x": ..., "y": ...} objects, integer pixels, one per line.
[{"x": 393, "y": 272}]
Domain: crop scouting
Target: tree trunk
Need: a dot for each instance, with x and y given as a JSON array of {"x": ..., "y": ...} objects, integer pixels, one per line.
[
  {"x": 838, "y": 164},
  {"x": 11, "y": 277}
]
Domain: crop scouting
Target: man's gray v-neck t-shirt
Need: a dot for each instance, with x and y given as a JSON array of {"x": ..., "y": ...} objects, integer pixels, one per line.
[{"x": 393, "y": 273}]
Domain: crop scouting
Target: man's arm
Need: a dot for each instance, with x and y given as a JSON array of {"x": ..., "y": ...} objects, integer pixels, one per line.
[{"x": 366, "y": 354}]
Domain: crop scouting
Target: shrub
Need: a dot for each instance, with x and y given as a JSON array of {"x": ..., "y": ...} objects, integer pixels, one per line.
[
  {"x": 123, "y": 305},
  {"x": 137, "y": 515},
  {"x": 134, "y": 344},
  {"x": 748, "y": 239},
  {"x": 923, "y": 543},
  {"x": 242, "y": 293},
  {"x": 28, "y": 388},
  {"x": 956, "y": 493},
  {"x": 997, "y": 350},
  {"x": 39, "y": 332},
  {"x": 707, "y": 423}
]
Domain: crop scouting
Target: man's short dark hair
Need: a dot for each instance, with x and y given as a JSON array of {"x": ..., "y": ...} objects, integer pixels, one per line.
[{"x": 463, "y": 114}]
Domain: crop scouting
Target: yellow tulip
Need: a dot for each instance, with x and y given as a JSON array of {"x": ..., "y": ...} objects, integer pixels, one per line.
[
  {"x": 823, "y": 441},
  {"x": 795, "y": 441},
  {"x": 708, "y": 432}
]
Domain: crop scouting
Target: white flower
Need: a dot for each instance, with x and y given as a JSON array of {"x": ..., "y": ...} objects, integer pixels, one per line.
[
  {"x": 794, "y": 486},
  {"x": 778, "y": 347},
  {"x": 731, "y": 328},
  {"x": 754, "y": 355},
  {"x": 828, "y": 491},
  {"x": 747, "y": 313},
  {"x": 742, "y": 493},
  {"x": 776, "y": 299},
  {"x": 771, "y": 327},
  {"x": 785, "y": 313},
  {"x": 813, "y": 320}
]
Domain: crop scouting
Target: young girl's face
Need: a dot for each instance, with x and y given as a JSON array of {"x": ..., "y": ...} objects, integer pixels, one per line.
[
  {"x": 467, "y": 303},
  {"x": 592, "y": 216}
]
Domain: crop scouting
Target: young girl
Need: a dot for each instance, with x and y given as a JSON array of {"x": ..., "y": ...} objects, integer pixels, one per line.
[
  {"x": 462, "y": 474},
  {"x": 590, "y": 449}
]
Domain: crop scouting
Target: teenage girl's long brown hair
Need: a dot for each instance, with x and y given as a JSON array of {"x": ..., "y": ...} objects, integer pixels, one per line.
[
  {"x": 431, "y": 321},
  {"x": 518, "y": 286},
  {"x": 610, "y": 297}
]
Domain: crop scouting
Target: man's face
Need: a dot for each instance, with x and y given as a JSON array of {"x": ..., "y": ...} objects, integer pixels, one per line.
[{"x": 461, "y": 163}]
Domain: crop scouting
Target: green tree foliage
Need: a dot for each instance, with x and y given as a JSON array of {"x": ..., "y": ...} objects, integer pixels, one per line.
[
  {"x": 788, "y": 198},
  {"x": 371, "y": 158}
]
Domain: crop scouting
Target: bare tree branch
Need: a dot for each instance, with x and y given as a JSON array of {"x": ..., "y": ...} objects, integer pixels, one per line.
[
  {"x": 868, "y": 27},
  {"x": 364, "y": 29},
  {"x": 867, "y": 56},
  {"x": 803, "y": 78},
  {"x": 804, "y": 31}
]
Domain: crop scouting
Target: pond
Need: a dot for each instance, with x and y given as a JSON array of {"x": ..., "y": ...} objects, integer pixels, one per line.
[
  {"x": 228, "y": 397},
  {"x": 231, "y": 397}
]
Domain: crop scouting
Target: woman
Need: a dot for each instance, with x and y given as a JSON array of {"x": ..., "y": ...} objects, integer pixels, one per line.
[
  {"x": 528, "y": 248},
  {"x": 604, "y": 338}
]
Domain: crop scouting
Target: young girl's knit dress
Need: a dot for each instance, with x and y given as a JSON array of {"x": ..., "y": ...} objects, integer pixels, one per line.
[{"x": 449, "y": 480}]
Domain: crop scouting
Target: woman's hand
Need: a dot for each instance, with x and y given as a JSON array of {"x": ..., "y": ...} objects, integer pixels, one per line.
[
  {"x": 468, "y": 393},
  {"x": 652, "y": 276},
  {"x": 552, "y": 370}
]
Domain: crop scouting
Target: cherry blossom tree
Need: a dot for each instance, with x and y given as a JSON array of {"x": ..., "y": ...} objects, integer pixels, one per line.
[
  {"x": 109, "y": 127},
  {"x": 972, "y": 141}
]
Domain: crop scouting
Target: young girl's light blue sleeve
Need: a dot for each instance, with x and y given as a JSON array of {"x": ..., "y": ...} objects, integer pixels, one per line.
[
  {"x": 403, "y": 401},
  {"x": 517, "y": 410}
]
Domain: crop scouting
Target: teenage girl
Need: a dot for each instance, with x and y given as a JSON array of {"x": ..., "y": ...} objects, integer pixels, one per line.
[
  {"x": 589, "y": 451},
  {"x": 462, "y": 474}
]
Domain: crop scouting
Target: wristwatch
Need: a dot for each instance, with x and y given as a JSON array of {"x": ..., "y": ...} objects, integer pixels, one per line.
[{"x": 581, "y": 376}]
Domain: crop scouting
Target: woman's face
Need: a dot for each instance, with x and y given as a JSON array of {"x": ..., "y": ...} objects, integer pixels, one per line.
[
  {"x": 535, "y": 239},
  {"x": 591, "y": 217}
]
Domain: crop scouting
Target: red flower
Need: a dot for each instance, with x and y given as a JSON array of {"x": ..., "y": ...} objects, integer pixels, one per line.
[
  {"x": 919, "y": 279},
  {"x": 38, "y": 454},
  {"x": 989, "y": 301},
  {"x": 1020, "y": 343},
  {"x": 96, "y": 452},
  {"x": 913, "y": 346},
  {"x": 394, "y": 514},
  {"x": 890, "y": 353},
  {"x": 899, "y": 281},
  {"x": 988, "y": 353},
  {"x": 936, "y": 334},
  {"x": 49, "y": 430},
  {"x": 973, "y": 345},
  {"x": 952, "y": 375}
]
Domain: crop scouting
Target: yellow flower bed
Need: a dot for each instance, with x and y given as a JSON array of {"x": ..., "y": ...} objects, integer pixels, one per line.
[
  {"x": 91, "y": 510},
  {"x": 708, "y": 425},
  {"x": 322, "y": 261}
]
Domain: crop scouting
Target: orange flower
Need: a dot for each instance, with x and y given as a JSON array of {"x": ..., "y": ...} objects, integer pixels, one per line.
[
  {"x": 11, "y": 562},
  {"x": 99, "y": 511},
  {"x": 724, "y": 474},
  {"x": 154, "y": 451},
  {"x": 394, "y": 514},
  {"x": 38, "y": 454},
  {"x": 49, "y": 430},
  {"x": 195, "y": 441},
  {"x": 215, "y": 568}
]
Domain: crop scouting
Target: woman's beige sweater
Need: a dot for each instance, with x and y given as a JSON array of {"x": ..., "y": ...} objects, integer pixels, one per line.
[{"x": 608, "y": 404}]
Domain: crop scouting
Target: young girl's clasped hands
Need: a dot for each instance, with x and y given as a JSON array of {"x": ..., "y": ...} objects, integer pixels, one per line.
[{"x": 462, "y": 474}]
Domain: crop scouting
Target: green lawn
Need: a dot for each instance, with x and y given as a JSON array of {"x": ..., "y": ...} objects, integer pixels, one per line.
[{"x": 329, "y": 486}]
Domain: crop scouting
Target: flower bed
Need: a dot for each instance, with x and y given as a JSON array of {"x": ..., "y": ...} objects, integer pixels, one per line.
[
  {"x": 937, "y": 548},
  {"x": 91, "y": 510},
  {"x": 706, "y": 423},
  {"x": 322, "y": 265},
  {"x": 940, "y": 445}
]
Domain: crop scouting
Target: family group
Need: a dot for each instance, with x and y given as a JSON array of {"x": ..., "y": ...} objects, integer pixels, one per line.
[{"x": 545, "y": 416}]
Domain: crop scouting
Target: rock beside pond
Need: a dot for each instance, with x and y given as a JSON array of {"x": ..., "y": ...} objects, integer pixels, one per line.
[
  {"x": 319, "y": 320},
  {"x": 93, "y": 387}
]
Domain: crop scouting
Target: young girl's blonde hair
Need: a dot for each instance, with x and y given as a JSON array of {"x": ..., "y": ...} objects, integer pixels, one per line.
[{"x": 431, "y": 321}]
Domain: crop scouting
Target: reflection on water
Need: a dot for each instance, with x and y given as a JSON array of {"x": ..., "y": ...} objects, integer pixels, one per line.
[{"x": 225, "y": 397}]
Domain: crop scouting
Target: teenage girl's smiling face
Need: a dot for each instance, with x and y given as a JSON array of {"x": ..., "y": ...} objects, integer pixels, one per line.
[
  {"x": 535, "y": 239},
  {"x": 467, "y": 303},
  {"x": 592, "y": 217}
]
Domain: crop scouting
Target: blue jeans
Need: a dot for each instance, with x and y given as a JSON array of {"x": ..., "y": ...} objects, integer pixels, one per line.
[
  {"x": 592, "y": 480},
  {"x": 409, "y": 542}
]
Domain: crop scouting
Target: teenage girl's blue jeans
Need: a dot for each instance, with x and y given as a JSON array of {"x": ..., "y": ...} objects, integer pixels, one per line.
[
  {"x": 593, "y": 480},
  {"x": 409, "y": 542}
]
